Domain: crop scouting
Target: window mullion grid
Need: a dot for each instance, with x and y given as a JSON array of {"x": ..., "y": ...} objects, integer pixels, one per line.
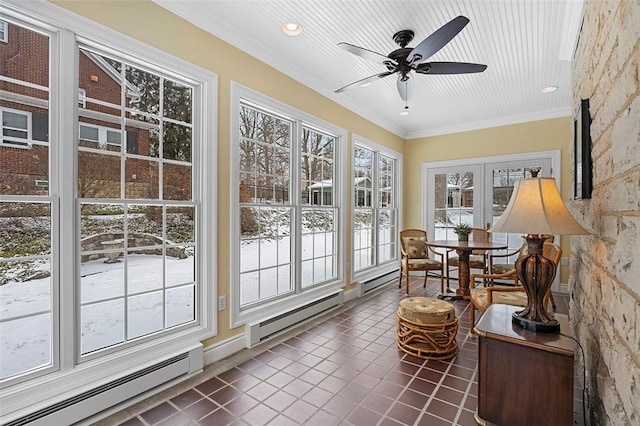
[
  {"x": 163, "y": 204},
  {"x": 375, "y": 206},
  {"x": 64, "y": 152},
  {"x": 296, "y": 205},
  {"x": 126, "y": 205},
  {"x": 125, "y": 250},
  {"x": 163, "y": 286}
]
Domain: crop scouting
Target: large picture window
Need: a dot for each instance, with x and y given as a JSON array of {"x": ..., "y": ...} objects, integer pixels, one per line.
[
  {"x": 104, "y": 198},
  {"x": 289, "y": 199},
  {"x": 138, "y": 210},
  {"x": 375, "y": 207}
]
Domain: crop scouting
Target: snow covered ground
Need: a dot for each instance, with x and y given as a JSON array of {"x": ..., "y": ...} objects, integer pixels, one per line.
[{"x": 27, "y": 320}]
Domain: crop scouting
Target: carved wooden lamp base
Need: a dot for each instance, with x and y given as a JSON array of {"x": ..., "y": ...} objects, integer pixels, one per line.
[{"x": 536, "y": 274}]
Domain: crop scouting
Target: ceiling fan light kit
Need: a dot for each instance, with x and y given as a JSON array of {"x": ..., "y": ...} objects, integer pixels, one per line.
[{"x": 406, "y": 59}]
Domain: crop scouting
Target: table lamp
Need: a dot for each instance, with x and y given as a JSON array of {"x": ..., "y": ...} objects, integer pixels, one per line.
[{"x": 536, "y": 209}]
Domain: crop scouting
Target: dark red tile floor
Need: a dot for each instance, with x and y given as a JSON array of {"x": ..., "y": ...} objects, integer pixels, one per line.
[{"x": 346, "y": 370}]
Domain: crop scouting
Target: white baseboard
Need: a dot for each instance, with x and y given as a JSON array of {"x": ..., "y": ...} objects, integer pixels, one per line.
[
  {"x": 350, "y": 294},
  {"x": 224, "y": 349}
]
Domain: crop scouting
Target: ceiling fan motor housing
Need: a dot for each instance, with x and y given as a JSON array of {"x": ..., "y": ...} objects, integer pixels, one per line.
[{"x": 403, "y": 37}]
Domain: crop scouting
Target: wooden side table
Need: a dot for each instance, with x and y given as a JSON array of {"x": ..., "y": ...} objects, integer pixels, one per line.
[{"x": 524, "y": 377}]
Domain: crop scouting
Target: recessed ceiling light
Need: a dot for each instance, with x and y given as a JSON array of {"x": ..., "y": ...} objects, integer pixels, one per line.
[
  {"x": 404, "y": 112},
  {"x": 291, "y": 29},
  {"x": 549, "y": 89}
]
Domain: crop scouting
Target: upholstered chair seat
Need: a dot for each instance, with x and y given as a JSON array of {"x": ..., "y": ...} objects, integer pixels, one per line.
[
  {"x": 481, "y": 297},
  {"x": 502, "y": 268},
  {"x": 417, "y": 263},
  {"x": 416, "y": 255}
]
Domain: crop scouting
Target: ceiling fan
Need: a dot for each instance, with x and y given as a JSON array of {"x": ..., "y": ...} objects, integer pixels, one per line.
[{"x": 406, "y": 59}]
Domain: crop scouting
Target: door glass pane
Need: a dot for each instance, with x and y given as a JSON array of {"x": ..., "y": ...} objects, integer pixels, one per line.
[
  {"x": 501, "y": 179},
  {"x": 453, "y": 203}
]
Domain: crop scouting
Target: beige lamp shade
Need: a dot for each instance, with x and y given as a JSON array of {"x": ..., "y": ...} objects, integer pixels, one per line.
[{"x": 536, "y": 207}]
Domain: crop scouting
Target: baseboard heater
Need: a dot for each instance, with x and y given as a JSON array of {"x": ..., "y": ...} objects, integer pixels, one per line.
[
  {"x": 268, "y": 328},
  {"x": 86, "y": 404},
  {"x": 365, "y": 287}
]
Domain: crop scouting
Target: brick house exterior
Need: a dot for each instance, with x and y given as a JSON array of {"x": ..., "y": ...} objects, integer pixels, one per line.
[{"x": 24, "y": 152}]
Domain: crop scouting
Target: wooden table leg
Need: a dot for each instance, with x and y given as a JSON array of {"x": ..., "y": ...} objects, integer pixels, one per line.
[{"x": 463, "y": 273}]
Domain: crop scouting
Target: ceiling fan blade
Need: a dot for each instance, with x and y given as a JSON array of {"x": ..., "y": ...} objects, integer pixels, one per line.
[
  {"x": 449, "y": 68},
  {"x": 367, "y": 54},
  {"x": 364, "y": 81},
  {"x": 437, "y": 40},
  {"x": 405, "y": 87}
]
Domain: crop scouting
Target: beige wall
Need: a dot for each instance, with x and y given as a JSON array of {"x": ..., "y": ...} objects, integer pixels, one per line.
[
  {"x": 605, "y": 278},
  {"x": 546, "y": 135}
]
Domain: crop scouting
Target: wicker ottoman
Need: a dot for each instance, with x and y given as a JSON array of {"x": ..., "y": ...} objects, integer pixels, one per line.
[{"x": 427, "y": 328}]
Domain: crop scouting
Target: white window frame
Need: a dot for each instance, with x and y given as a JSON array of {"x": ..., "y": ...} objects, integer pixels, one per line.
[
  {"x": 391, "y": 265},
  {"x": 67, "y": 376},
  {"x": 102, "y": 134},
  {"x": 82, "y": 98},
  {"x": 4, "y": 31},
  {"x": 13, "y": 141},
  {"x": 301, "y": 296}
]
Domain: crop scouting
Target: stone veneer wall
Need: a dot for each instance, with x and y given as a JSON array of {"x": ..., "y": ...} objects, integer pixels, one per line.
[{"x": 605, "y": 266}]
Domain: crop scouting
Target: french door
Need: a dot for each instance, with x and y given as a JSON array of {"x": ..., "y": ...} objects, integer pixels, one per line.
[
  {"x": 454, "y": 197},
  {"x": 476, "y": 191}
]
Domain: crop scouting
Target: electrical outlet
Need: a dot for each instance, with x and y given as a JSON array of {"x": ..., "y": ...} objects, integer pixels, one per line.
[
  {"x": 222, "y": 303},
  {"x": 564, "y": 261}
]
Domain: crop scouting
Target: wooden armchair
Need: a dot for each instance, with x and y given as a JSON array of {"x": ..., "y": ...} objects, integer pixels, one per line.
[
  {"x": 478, "y": 258},
  {"x": 415, "y": 256},
  {"x": 499, "y": 267},
  {"x": 483, "y": 296}
]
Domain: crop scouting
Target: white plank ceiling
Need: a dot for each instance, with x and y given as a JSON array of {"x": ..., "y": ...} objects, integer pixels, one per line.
[{"x": 526, "y": 44}]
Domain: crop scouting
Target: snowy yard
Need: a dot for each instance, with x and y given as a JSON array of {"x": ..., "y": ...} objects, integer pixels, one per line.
[{"x": 26, "y": 312}]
